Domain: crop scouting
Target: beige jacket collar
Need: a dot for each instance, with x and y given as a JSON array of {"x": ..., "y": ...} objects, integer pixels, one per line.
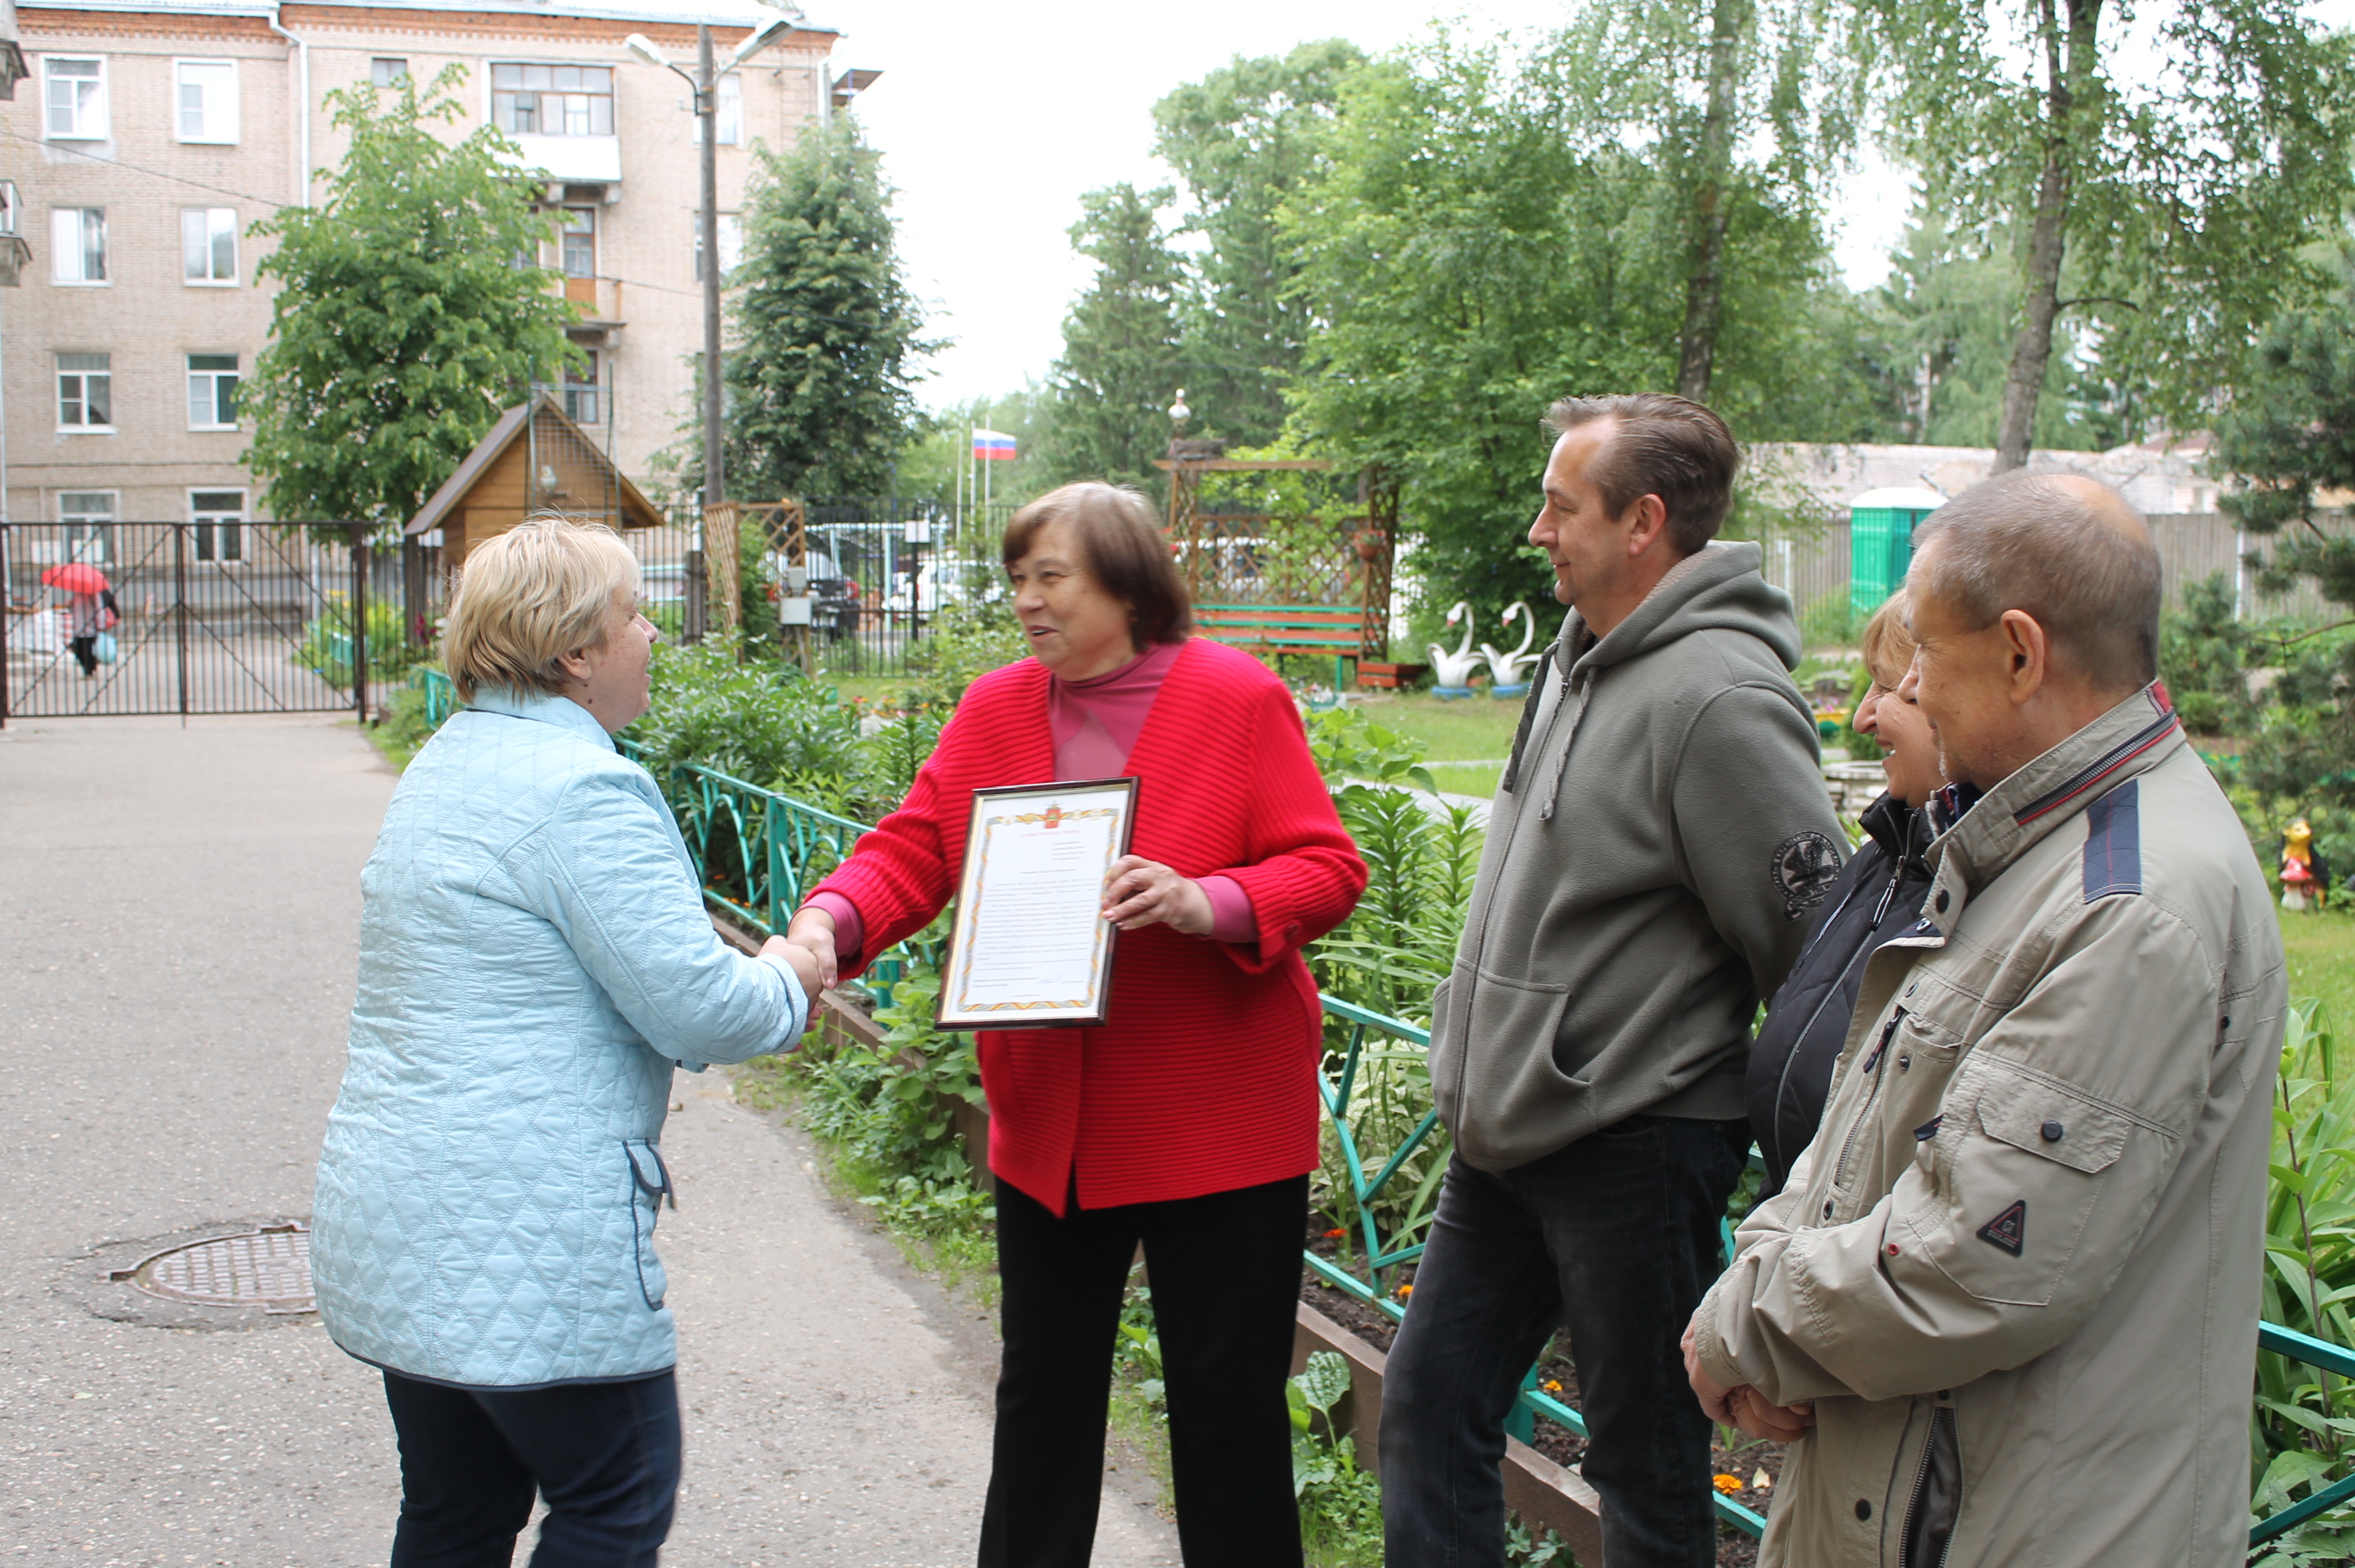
[{"x": 2127, "y": 742}]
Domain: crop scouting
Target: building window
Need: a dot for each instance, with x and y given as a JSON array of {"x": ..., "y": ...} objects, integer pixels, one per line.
[
  {"x": 85, "y": 391},
  {"x": 388, "y": 71},
  {"x": 209, "y": 244},
  {"x": 219, "y": 517},
  {"x": 580, "y": 391},
  {"x": 73, "y": 93},
  {"x": 580, "y": 230},
  {"x": 728, "y": 111},
  {"x": 78, "y": 244},
  {"x": 731, "y": 244},
  {"x": 212, "y": 391},
  {"x": 87, "y": 521},
  {"x": 552, "y": 99},
  {"x": 206, "y": 99}
]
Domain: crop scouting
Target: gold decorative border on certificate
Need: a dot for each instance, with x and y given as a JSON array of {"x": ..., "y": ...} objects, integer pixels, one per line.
[{"x": 1053, "y": 816}]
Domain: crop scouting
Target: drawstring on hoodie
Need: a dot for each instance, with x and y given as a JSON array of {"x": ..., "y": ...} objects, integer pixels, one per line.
[
  {"x": 1529, "y": 716},
  {"x": 1561, "y": 772}
]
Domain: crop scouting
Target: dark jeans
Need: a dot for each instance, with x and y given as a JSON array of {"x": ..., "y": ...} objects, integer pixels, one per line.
[
  {"x": 1616, "y": 1238},
  {"x": 605, "y": 1455},
  {"x": 1225, "y": 1271}
]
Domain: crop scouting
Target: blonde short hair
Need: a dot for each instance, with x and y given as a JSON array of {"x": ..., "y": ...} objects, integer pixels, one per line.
[
  {"x": 1887, "y": 644},
  {"x": 528, "y": 597}
]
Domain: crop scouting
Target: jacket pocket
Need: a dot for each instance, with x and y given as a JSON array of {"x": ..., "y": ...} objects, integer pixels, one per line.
[
  {"x": 649, "y": 1185},
  {"x": 1493, "y": 1043},
  {"x": 2021, "y": 1185},
  {"x": 1937, "y": 1497}
]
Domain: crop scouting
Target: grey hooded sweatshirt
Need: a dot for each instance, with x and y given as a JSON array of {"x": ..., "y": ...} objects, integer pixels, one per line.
[{"x": 1656, "y": 854}]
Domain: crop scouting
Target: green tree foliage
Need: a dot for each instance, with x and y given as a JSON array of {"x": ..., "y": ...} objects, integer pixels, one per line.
[
  {"x": 1742, "y": 109},
  {"x": 1947, "y": 322},
  {"x": 2290, "y": 433},
  {"x": 1120, "y": 345},
  {"x": 1119, "y": 363},
  {"x": 1475, "y": 247},
  {"x": 2162, "y": 203},
  {"x": 820, "y": 380},
  {"x": 1242, "y": 139},
  {"x": 403, "y": 322}
]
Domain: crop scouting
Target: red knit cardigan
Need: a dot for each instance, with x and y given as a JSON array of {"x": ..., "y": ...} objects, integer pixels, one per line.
[{"x": 1204, "y": 1079}]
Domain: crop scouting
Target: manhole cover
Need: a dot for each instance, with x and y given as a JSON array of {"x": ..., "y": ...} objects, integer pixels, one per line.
[{"x": 268, "y": 1268}]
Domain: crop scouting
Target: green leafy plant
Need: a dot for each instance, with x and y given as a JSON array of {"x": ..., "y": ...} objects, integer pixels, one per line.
[
  {"x": 1340, "y": 1504},
  {"x": 2304, "y": 1429}
]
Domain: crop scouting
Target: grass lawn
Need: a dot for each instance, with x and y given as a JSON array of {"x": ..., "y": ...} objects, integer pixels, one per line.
[
  {"x": 2321, "y": 948},
  {"x": 1477, "y": 728}
]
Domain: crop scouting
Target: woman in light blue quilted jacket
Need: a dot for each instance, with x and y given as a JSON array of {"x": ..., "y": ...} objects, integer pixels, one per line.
[{"x": 535, "y": 962}]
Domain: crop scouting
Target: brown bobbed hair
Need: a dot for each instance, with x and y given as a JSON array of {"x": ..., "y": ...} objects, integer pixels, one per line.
[
  {"x": 1663, "y": 446},
  {"x": 1121, "y": 548}
]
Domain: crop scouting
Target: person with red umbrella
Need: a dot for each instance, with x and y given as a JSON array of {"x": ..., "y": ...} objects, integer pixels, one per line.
[{"x": 86, "y": 585}]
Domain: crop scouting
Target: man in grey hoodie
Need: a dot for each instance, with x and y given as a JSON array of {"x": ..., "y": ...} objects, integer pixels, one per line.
[{"x": 1654, "y": 855}]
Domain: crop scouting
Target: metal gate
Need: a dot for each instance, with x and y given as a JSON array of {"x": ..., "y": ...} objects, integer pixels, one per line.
[{"x": 210, "y": 617}]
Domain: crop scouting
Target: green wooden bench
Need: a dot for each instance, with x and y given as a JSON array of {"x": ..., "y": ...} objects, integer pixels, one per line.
[{"x": 1338, "y": 630}]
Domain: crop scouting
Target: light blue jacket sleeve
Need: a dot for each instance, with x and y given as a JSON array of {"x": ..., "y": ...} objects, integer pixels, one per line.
[{"x": 609, "y": 870}]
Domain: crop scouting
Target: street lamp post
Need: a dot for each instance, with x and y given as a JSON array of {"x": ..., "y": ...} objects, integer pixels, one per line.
[{"x": 705, "y": 80}]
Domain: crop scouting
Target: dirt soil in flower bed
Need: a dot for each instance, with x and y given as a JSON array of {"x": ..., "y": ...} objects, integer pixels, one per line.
[{"x": 1369, "y": 1322}]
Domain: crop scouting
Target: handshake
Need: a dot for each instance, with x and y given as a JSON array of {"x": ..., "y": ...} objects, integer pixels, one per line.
[{"x": 814, "y": 975}]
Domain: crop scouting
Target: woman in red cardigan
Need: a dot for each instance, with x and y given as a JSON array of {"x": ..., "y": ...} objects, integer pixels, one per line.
[{"x": 1189, "y": 1121}]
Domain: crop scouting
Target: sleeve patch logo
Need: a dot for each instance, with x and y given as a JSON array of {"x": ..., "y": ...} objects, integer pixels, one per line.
[
  {"x": 1806, "y": 866},
  {"x": 2008, "y": 1229}
]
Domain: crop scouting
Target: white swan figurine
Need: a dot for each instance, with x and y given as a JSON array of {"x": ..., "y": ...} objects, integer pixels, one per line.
[
  {"x": 1453, "y": 671},
  {"x": 1505, "y": 670}
]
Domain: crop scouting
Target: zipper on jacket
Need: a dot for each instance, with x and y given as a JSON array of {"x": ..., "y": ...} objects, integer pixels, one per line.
[
  {"x": 1871, "y": 1065},
  {"x": 1922, "y": 1534}
]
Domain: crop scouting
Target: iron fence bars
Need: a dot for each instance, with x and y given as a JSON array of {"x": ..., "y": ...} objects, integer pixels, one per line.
[
  {"x": 222, "y": 616},
  {"x": 440, "y": 694},
  {"x": 2326, "y": 1358},
  {"x": 1364, "y": 1191}
]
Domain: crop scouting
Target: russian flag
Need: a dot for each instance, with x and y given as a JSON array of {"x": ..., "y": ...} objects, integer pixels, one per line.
[{"x": 993, "y": 446}]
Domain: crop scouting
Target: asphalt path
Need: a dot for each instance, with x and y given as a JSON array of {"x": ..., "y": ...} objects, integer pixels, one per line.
[{"x": 178, "y": 911}]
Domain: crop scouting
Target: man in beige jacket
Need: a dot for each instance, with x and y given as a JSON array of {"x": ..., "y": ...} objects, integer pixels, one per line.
[{"x": 2006, "y": 1306}]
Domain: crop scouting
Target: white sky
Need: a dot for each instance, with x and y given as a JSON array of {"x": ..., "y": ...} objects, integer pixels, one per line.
[{"x": 993, "y": 121}]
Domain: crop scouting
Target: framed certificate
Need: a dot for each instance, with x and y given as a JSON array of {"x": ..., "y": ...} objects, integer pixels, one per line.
[{"x": 1030, "y": 947}]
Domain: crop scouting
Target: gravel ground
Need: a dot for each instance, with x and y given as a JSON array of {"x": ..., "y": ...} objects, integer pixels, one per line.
[{"x": 178, "y": 914}]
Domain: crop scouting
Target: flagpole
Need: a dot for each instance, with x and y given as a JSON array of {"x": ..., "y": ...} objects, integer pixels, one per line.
[{"x": 988, "y": 475}]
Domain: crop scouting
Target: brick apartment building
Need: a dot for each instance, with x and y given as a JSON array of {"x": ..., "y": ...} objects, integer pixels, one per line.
[{"x": 151, "y": 135}]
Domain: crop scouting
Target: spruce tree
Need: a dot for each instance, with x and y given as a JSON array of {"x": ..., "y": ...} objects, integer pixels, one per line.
[
  {"x": 1119, "y": 367},
  {"x": 821, "y": 374}
]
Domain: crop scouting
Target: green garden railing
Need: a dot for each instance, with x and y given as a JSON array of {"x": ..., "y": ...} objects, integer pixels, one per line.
[{"x": 782, "y": 847}]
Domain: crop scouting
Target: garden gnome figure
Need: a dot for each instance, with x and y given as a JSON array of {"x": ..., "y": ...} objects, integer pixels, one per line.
[{"x": 2301, "y": 888}]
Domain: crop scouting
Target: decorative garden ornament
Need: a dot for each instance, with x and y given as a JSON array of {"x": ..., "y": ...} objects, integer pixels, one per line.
[
  {"x": 1505, "y": 669},
  {"x": 1453, "y": 671},
  {"x": 2301, "y": 888}
]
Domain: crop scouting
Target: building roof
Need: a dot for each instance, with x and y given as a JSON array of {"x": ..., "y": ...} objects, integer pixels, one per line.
[
  {"x": 2165, "y": 475},
  {"x": 637, "y": 512},
  {"x": 718, "y": 13}
]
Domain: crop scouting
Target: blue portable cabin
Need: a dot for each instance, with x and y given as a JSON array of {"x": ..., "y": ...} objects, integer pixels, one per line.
[{"x": 1880, "y": 542}]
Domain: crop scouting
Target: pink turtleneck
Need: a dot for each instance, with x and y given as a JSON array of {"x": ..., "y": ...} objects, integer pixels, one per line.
[{"x": 1095, "y": 724}]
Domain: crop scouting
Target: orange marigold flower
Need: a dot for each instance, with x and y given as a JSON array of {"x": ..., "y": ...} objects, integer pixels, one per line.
[
  {"x": 1551, "y": 1385},
  {"x": 1405, "y": 1291},
  {"x": 1729, "y": 1484}
]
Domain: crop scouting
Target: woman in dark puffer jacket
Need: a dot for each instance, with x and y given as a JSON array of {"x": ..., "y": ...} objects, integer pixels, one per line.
[{"x": 1879, "y": 894}]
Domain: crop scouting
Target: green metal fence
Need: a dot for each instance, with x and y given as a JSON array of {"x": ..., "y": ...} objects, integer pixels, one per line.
[{"x": 773, "y": 849}]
